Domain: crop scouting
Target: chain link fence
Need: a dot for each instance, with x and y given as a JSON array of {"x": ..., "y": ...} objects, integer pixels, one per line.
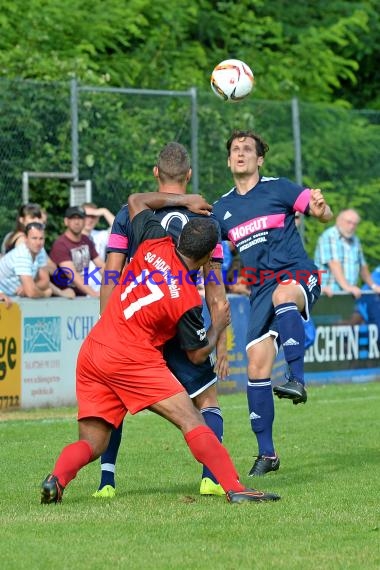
[{"x": 112, "y": 137}]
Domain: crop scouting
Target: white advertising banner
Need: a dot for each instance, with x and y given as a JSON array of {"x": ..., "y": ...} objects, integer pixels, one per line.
[{"x": 52, "y": 333}]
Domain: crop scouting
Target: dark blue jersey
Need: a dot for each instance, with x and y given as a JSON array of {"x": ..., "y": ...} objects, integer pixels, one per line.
[
  {"x": 195, "y": 378},
  {"x": 261, "y": 226},
  {"x": 122, "y": 240}
]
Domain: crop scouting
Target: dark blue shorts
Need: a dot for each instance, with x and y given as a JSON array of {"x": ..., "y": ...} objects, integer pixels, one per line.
[
  {"x": 195, "y": 378},
  {"x": 262, "y": 319}
]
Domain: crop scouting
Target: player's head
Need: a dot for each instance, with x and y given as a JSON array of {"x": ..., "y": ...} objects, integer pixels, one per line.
[
  {"x": 173, "y": 164},
  {"x": 261, "y": 146},
  {"x": 198, "y": 239}
]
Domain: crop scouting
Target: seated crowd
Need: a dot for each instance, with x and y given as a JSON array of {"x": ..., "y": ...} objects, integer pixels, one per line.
[{"x": 28, "y": 270}]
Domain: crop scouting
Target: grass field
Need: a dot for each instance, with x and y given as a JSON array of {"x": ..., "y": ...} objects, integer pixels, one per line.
[{"x": 328, "y": 518}]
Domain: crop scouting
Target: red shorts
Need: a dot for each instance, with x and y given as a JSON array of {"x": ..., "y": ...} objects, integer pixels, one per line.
[{"x": 110, "y": 384}]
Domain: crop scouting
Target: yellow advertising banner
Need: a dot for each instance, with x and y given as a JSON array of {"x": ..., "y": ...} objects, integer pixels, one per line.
[{"x": 10, "y": 356}]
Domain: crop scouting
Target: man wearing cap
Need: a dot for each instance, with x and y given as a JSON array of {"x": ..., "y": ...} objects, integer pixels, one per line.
[{"x": 72, "y": 253}]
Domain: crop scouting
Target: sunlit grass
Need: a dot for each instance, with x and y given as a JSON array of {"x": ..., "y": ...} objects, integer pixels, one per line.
[{"x": 328, "y": 517}]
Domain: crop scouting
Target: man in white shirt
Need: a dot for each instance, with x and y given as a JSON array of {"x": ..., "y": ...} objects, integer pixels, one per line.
[
  {"x": 23, "y": 271},
  {"x": 91, "y": 220},
  {"x": 99, "y": 237}
]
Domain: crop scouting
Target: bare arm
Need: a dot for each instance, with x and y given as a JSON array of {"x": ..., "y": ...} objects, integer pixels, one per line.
[
  {"x": 215, "y": 291},
  {"x": 338, "y": 273},
  {"x": 220, "y": 318},
  {"x": 318, "y": 206},
  {"x": 29, "y": 288},
  {"x": 42, "y": 279},
  {"x": 98, "y": 261},
  {"x": 101, "y": 212},
  {"x": 77, "y": 279},
  {"x": 367, "y": 278},
  {"x": 114, "y": 266},
  {"x": 157, "y": 200}
]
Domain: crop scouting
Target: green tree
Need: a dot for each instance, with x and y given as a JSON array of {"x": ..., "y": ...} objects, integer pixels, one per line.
[{"x": 318, "y": 50}]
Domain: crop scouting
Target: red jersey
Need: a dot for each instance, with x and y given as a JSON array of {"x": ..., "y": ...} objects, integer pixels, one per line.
[{"x": 155, "y": 298}]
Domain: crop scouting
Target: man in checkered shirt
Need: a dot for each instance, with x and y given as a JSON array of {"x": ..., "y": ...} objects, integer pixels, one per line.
[{"x": 339, "y": 256}]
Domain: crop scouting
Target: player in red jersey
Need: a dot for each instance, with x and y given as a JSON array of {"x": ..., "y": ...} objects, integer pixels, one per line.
[
  {"x": 172, "y": 172},
  {"x": 120, "y": 365}
]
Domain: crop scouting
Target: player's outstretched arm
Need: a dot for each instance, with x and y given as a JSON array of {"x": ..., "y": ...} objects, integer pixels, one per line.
[
  {"x": 318, "y": 206},
  {"x": 157, "y": 200}
]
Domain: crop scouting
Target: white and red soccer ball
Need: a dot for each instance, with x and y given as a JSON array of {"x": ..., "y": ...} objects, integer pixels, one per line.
[{"x": 232, "y": 80}]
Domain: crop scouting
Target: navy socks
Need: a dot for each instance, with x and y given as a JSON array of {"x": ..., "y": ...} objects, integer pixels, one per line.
[
  {"x": 292, "y": 336},
  {"x": 261, "y": 414},
  {"x": 214, "y": 420},
  {"x": 108, "y": 459}
]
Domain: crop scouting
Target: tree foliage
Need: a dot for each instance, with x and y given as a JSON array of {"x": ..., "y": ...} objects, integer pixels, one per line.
[
  {"x": 325, "y": 53},
  {"x": 318, "y": 50}
]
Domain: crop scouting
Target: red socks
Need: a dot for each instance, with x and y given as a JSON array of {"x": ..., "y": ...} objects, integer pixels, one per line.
[
  {"x": 202, "y": 442},
  {"x": 73, "y": 457},
  {"x": 206, "y": 449}
]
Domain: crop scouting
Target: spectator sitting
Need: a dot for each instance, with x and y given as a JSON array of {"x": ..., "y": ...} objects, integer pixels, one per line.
[
  {"x": 99, "y": 237},
  {"x": 27, "y": 214},
  {"x": 91, "y": 220},
  {"x": 340, "y": 257},
  {"x": 23, "y": 270},
  {"x": 72, "y": 252}
]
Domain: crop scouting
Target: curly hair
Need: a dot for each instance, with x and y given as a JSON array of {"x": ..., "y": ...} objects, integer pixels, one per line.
[{"x": 198, "y": 238}]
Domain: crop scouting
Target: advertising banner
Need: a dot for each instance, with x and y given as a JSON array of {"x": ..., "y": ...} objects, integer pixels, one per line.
[
  {"x": 10, "y": 356},
  {"x": 53, "y": 331},
  {"x": 40, "y": 341},
  {"x": 345, "y": 348}
]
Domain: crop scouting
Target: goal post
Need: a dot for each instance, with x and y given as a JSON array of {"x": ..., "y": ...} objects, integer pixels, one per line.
[{"x": 80, "y": 190}]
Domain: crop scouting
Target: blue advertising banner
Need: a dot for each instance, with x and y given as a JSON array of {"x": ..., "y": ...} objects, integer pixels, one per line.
[
  {"x": 345, "y": 348},
  {"x": 41, "y": 344}
]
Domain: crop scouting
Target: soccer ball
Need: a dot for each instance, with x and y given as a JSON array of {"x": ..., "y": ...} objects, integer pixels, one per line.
[{"x": 232, "y": 80}]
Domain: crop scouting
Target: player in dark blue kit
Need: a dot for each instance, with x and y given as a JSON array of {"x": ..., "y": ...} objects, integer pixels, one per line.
[
  {"x": 257, "y": 216},
  {"x": 172, "y": 173}
]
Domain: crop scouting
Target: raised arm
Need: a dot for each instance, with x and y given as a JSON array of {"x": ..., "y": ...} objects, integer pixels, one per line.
[
  {"x": 318, "y": 206},
  {"x": 157, "y": 200}
]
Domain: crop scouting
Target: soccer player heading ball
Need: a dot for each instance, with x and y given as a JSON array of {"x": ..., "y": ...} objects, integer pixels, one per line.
[{"x": 257, "y": 216}]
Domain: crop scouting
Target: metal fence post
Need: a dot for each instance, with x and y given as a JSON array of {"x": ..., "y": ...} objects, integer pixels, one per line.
[
  {"x": 297, "y": 153},
  {"x": 194, "y": 141},
  {"x": 74, "y": 128},
  {"x": 297, "y": 140}
]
